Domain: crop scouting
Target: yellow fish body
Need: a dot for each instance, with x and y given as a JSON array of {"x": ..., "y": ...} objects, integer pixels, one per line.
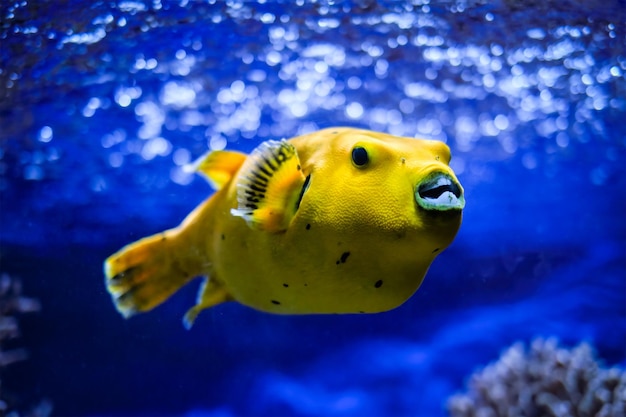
[{"x": 337, "y": 221}]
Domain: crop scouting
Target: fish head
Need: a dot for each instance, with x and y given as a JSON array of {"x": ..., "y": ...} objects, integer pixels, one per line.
[{"x": 381, "y": 183}]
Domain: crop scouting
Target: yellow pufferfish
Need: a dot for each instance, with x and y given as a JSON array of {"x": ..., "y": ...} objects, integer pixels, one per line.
[{"x": 337, "y": 221}]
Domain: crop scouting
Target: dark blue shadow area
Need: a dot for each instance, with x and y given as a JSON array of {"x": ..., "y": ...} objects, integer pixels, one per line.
[{"x": 103, "y": 106}]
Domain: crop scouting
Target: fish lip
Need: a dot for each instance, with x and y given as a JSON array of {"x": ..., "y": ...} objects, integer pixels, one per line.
[{"x": 440, "y": 191}]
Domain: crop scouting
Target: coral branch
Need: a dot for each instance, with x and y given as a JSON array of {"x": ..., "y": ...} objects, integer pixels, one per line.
[{"x": 13, "y": 303}]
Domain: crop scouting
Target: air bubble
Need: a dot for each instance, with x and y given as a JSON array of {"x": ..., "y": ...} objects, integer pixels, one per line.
[
  {"x": 217, "y": 143},
  {"x": 267, "y": 18},
  {"x": 180, "y": 176},
  {"x": 354, "y": 110},
  {"x": 616, "y": 71},
  {"x": 536, "y": 33},
  {"x": 116, "y": 159},
  {"x": 529, "y": 161},
  {"x": 46, "y": 134},
  {"x": 33, "y": 172},
  {"x": 299, "y": 109},
  {"x": 273, "y": 58},
  {"x": 562, "y": 140},
  {"x": 501, "y": 122},
  {"x": 354, "y": 83},
  {"x": 406, "y": 106},
  {"x": 156, "y": 147},
  {"x": 181, "y": 156}
]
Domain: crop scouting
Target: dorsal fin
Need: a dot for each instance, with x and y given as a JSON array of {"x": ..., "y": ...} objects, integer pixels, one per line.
[
  {"x": 218, "y": 167},
  {"x": 269, "y": 186}
]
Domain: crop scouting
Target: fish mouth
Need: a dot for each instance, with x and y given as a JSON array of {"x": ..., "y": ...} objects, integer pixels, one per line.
[{"x": 439, "y": 191}]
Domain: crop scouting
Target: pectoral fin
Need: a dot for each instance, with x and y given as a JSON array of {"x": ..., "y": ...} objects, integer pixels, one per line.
[{"x": 269, "y": 186}]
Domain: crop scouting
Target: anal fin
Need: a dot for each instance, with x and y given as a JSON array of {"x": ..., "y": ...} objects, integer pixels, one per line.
[{"x": 211, "y": 293}]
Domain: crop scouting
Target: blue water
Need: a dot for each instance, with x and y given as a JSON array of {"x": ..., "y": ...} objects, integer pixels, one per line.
[{"x": 102, "y": 104}]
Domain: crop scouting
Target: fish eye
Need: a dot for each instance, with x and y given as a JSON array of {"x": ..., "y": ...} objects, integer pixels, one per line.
[{"x": 360, "y": 156}]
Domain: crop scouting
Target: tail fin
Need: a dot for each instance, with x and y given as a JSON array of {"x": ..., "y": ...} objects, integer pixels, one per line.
[{"x": 145, "y": 273}]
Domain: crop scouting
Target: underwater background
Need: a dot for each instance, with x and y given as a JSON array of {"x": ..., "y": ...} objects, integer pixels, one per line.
[{"x": 104, "y": 103}]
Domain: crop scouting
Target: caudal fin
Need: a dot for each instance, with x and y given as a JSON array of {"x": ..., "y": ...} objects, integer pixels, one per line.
[{"x": 145, "y": 273}]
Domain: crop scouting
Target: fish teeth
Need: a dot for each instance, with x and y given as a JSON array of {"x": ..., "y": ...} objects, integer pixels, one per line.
[{"x": 440, "y": 192}]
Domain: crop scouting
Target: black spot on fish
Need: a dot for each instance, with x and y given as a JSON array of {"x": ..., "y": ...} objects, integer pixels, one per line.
[
  {"x": 286, "y": 285},
  {"x": 379, "y": 283},
  {"x": 306, "y": 285},
  {"x": 308, "y": 226},
  {"x": 436, "y": 250},
  {"x": 223, "y": 237},
  {"x": 276, "y": 302},
  {"x": 343, "y": 258},
  {"x": 299, "y": 167},
  {"x": 163, "y": 237},
  {"x": 361, "y": 312}
]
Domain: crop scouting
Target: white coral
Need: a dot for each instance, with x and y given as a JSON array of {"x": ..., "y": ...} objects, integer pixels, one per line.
[{"x": 545, "y": 381}]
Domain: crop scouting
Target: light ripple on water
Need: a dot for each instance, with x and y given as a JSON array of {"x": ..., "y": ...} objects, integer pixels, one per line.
[{"x": 495, "y": 83}]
